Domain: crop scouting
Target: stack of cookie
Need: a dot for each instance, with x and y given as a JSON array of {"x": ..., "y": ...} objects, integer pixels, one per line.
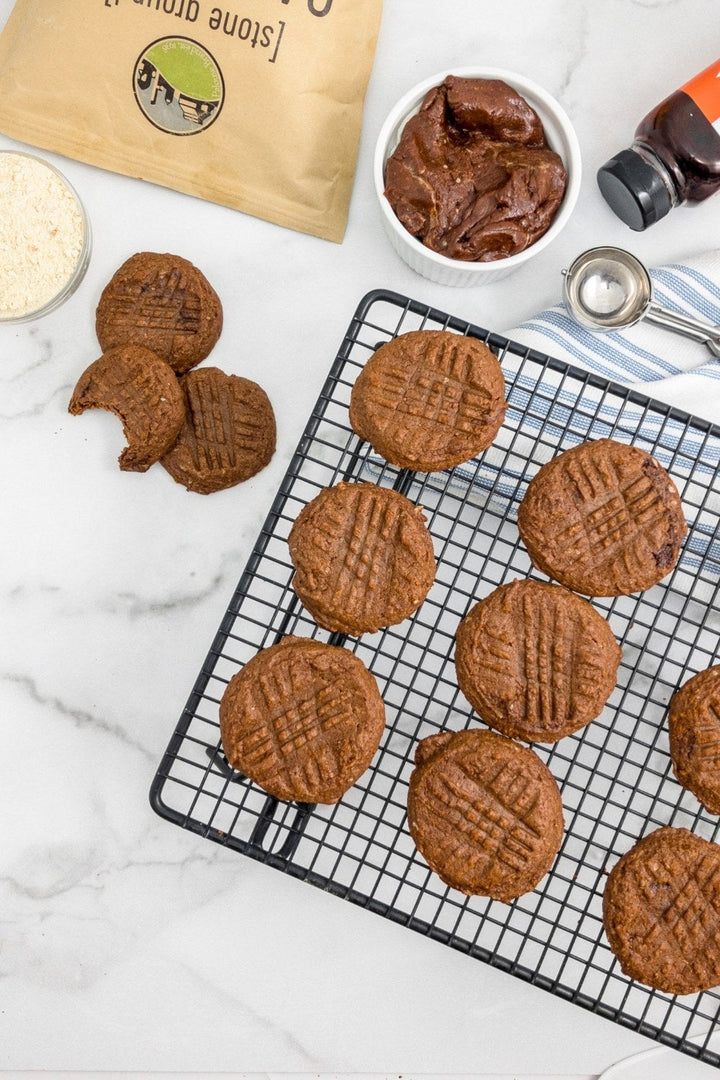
[{"x": 157, "y": 319}]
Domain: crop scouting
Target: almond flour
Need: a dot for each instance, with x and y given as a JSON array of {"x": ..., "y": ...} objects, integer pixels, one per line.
[{"x": 42, "y": 234}]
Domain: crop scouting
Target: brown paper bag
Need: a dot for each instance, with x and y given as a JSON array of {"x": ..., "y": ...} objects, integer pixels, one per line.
[{"x": 254, "y": 104}]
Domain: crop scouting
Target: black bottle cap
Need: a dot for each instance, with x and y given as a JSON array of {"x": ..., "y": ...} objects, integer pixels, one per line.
[{"x": 634, "y": 190}]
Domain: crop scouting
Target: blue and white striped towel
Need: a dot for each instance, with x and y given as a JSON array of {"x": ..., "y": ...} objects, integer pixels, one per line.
[{"x": 658, "y": 362}]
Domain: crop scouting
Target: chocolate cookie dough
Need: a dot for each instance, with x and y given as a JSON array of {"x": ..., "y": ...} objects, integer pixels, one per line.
[
  {"x": 535, "y": 660},
  {"x": 484, "y": 812},
  {"x": 472, "y": 176},
  {"x": 302, "y": 719},
  {"x": 228, "y": 435},
  {"x": 429, "y": 399},
  {"x": 140, "y": 389},
  {"x": 603, "y": 518},
  {"x": 661, "y": 911},
  {"x": 363, "y": 557},
  {"x": 694, "y": 728},
  {"x": 164, "y": 303}
]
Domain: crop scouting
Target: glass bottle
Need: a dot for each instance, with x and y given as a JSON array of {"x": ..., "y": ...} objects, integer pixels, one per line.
[{"x": 674, "y": 158}]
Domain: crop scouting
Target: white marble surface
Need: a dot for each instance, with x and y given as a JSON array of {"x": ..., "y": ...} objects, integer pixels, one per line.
[{"x": 127, "y": 944}]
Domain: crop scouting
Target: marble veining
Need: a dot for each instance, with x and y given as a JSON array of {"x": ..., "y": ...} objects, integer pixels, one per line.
[{"x": 129, "y": 944}]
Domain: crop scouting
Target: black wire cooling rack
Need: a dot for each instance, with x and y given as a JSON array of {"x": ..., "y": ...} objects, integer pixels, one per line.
[{"x": 615, "y": 775}]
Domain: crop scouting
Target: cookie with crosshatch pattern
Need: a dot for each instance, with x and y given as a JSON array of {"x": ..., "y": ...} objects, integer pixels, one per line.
[
  {"x": 228, "y": 435},
  {"x": 429, "y": 399},
  {"x": 140, "y": 389},
  {"x": 535, "y": 660},
  {"x": 694, "y": 730},
  {"x": 661, "y": 911},
  {"x": 302, "y": 719},
  {"x": 603, "y": 518},
  {"x": 164, "y": 303},
  {"x": 363, "y": 557},
  {"x": 485, "y": 813}
]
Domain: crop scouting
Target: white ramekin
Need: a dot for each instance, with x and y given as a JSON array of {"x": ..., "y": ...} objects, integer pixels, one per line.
[{"x": 561, "y": 138}]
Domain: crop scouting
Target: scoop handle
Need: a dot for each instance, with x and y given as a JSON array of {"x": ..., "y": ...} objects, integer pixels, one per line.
[{"x": 685, "y": 324}]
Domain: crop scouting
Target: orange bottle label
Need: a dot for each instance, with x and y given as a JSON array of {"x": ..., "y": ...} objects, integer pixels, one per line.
[{"x": 704, "y": 89}]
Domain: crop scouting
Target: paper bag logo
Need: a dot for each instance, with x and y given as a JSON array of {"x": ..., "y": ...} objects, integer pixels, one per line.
[{"x": 178, "y": 86}]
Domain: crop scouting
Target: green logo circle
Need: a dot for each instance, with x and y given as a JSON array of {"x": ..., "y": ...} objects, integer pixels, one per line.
[{"x": 178, "y": 86}]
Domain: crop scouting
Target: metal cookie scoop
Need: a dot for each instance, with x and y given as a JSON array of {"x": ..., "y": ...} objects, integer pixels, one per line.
[{"x": 607, "y": 288}]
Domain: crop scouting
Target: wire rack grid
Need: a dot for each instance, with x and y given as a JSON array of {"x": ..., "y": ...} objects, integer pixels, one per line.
[{"x": 615, "y": 775}]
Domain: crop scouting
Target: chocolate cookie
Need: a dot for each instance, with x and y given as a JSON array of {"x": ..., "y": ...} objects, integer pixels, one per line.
[
  {"x": 363, "y": 557},
  {"x": 603, "y": 518},
  {"x": 302, "y": 719},
  {"x": 535, "y": 660},
  {"x": 143, "y": 392},
  {"x": 228, "y": 435},
  {"x": 163, "y": 302},
  {"x": 694, "y": 726},
  {"x": 484, "y": 812},
  {"x": 429, "y": 399},
  {"x": 661, "y": 911}
]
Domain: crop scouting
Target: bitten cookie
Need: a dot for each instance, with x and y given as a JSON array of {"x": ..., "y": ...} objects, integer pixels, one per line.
[
  {"x": 228, "y": 435},
  {"x": 535, "y": 660},
  {"x": 143, "y": 392},
  {"x": 484, "y": 812},
  {"x": 429, "y": 399},
  {"x": 164, "y": 303},
  {"x": 363, "y": 557},
  {"x": 603, "y": 518},
  {"x": 694, "y": 728},
  {"x": 661, "y": 911},
  {"x": 302, "y": 719}
]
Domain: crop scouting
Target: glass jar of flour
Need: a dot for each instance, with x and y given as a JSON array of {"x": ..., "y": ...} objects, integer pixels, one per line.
[{"x": 45, "y": 237}]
